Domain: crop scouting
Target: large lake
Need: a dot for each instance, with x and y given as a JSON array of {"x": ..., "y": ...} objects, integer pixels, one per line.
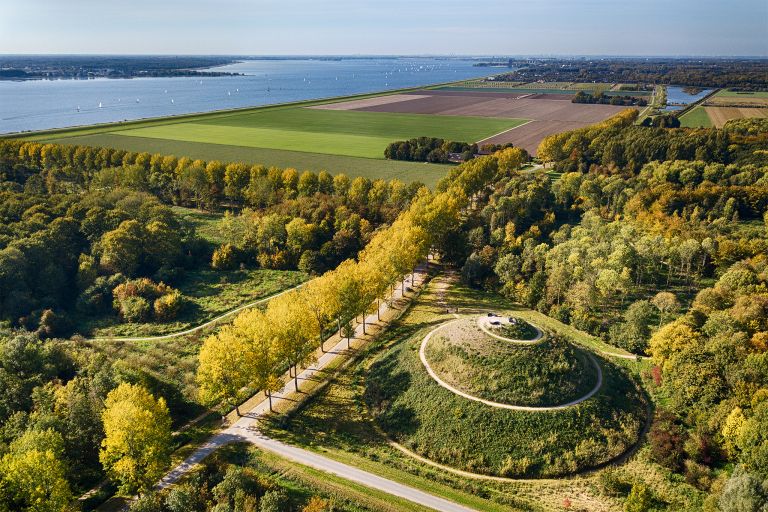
[{"x": 41, "y": 104}]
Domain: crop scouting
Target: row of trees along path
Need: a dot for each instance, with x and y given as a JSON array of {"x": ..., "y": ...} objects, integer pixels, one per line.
[{"x": 245, "y": 428}]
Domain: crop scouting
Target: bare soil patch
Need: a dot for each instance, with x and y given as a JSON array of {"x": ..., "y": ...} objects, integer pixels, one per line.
[
  {"x": 549, "y": 113},
  {"x": 529, "y": 135},
  {"x": 721, "y": 115}
]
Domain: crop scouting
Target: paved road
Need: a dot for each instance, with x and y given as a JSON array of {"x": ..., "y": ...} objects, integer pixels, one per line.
[
  {"x": 246, "y": 430},
  {"x": 200, "y": 327}
]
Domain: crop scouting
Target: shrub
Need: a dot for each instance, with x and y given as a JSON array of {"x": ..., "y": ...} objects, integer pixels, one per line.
[
  {"x": 134, "y": 309},
  {"x": 667, "y": 440},
  {"x": 640, "y": 499},
  {"x": 272, "y": 501},
  {"x": 168, "y": 306},
  {"x": 139, "y": 300},
  {"x": 225, "y": 258},
  {"x": 52, "y": 325}
]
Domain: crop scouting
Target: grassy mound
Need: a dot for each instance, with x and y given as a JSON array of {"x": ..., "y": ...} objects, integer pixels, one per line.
[
  {"x": 521, "y": 330},
  {"x": 446, "y": 428},
  {"x": 547, "y": 374}
]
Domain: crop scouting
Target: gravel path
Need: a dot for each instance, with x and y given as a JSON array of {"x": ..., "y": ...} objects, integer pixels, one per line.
[{"x": 246, "y": 430}]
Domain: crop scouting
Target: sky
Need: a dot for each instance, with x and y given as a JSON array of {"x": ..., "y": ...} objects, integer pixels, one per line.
[{"x": 388, "y": 27}]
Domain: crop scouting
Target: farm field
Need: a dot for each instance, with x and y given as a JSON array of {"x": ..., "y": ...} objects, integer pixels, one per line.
[
  {"x": 349, "y": 133},
  {"x": 697, "y": 117},
  {"x": 429, "y": 174},
  {"x": 567, "y": 88},
  {"x": 294, "y": 136},
  {"x": 721, "y": 115},
  {"x": 728, "y": 97},
  {"x": 544, "y": 113}
]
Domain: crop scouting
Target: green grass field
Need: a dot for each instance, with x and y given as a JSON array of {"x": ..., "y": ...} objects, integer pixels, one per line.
[
  {"x": 335, "y": 132},
  {"x": 697, "y": 117},
  {"x": 751, "y": 94},
  {"x": 292, "y": 136}
]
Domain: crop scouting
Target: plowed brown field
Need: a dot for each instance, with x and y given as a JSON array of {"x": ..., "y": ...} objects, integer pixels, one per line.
[
  {"x": 549, "y": 113},
  {"x": 720, "y": 115}
]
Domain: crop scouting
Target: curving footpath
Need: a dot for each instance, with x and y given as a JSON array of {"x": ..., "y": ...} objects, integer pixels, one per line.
[
  {"x": 200, "y": 327},
  {"x": 423, "y": 357},
  {"x": 483, "y": 321}
]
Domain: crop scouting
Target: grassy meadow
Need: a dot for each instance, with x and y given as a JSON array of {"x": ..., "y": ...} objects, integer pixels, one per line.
[
  {"x": 549, "y": 373},
  {"x": 697, "y": 117},
  {"x": 209, "y": 293},
  {"x": 338, "y": 141}
]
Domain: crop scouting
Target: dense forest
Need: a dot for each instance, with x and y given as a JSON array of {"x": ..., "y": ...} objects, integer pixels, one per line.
[
  {"x": 119, "y": 245},
  {"x": 655, "y": 240},
  {"x": 740, "y": 74}
]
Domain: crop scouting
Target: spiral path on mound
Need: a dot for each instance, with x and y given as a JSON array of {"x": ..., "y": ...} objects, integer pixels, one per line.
[
  {"x": 436, "y": 378},
  {"x": 484, "y": 321}
]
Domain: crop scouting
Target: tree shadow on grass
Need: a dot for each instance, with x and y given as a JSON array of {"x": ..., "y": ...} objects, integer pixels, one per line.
[{"x": 384, "y": 384}]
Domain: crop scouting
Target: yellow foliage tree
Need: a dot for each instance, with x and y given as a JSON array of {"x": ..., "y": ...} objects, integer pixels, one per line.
[
  {"x": 294, "y": 331},
  {"x": 33, "y": 476},
  {"x": 136, "y": 447},
  {"x": 224, "y": 367}
]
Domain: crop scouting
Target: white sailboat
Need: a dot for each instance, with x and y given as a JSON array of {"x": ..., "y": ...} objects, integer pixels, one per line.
[{"x": 100, "y": 105}]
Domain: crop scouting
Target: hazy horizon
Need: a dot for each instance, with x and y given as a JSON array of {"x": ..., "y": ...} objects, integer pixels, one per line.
[{"x": 621, "y": 28}]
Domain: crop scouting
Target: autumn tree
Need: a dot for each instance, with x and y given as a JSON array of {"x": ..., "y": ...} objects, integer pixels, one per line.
[
  {"x": 137, "y": 444},
  {"x": 223, "y": 367},
  {"x": 32, "y": 475},
  {"x": 262, "y": 362},
  {"x": 665, "y": 302},
  {"x": 294, "y": 331}
]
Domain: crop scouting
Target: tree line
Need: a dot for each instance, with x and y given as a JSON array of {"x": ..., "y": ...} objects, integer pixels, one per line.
[
  {"x": 255, "y": 350},
  {"x": 604, "y": 99},
  {"x": 742, "y": 74},
  {"x": 619, "y": 142}
]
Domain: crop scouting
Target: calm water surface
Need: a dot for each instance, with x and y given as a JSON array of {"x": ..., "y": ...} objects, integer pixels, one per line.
[
  {"x": 42, "y": 104},
  {"x": 677, "y": 98}
]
